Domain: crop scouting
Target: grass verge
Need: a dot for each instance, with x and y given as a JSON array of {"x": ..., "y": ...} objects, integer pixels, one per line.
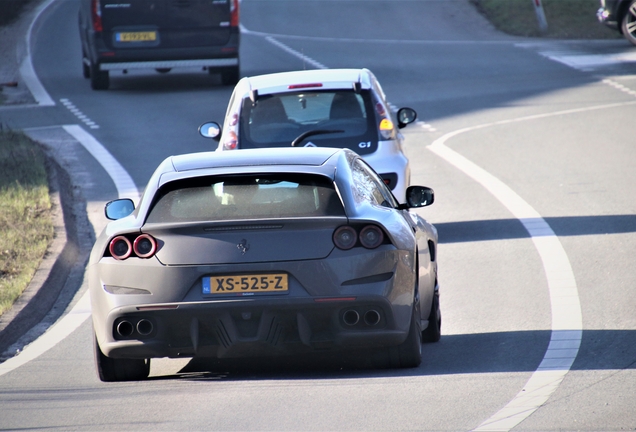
[
  {"x": 567, "y": 19},
  {"x": 26, "y": 227}
]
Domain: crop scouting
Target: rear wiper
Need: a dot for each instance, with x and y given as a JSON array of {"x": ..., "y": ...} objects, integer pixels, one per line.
[{"x": 307, "y": 134}]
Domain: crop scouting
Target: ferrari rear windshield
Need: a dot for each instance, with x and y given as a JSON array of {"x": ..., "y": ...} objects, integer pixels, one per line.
[{"x": 245, "y": 197}]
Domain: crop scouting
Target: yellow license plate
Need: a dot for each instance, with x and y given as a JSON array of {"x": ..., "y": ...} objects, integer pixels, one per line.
[
  {"x": 146, "y": 36},
  {"x": 245, "y": 284}
]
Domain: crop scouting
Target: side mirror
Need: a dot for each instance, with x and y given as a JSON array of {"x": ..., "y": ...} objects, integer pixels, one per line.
[
  {"x": 210, "y": 130},
  {"x": 406, "y": 116},
  {"x": 419, "y": 196},
  {"x": 119, "y": 208}
]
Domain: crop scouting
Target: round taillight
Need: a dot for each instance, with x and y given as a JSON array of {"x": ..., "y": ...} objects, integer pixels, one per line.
[
  {"x": 120, "y": 248},
  {"x": 345, "y": 237},
  {"x": 371, "y": 236},
  {"x": 145, "y": 246}
]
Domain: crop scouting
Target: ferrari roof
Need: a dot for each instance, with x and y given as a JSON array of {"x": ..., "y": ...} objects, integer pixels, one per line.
[{"x": 313, "y": 156}]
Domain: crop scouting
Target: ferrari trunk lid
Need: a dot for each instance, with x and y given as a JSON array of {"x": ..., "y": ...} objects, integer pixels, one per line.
[{"x": 244, "y": 241}]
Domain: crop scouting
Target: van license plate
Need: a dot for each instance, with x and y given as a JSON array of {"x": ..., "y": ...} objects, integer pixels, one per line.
[{"x": 145, "y": 36}]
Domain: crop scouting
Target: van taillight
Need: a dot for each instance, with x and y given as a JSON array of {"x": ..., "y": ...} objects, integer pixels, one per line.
[
  {"x": 234, "y": 13},
  {"x": 96, "y": 12}
]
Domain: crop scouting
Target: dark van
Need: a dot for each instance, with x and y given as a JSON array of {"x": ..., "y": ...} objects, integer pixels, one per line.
[{"x": 160, "y": 35}]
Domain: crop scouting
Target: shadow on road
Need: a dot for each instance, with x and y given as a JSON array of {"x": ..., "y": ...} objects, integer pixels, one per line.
[
  {"x": 499, "y": 229},
  {"x": 500, "y": 352}
]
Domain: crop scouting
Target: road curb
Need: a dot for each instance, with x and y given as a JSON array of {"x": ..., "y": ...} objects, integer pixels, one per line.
[{"x": 60, "y": 274}]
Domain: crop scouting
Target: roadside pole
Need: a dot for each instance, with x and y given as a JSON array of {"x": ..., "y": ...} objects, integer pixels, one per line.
[{"x": 538, "y": 8}]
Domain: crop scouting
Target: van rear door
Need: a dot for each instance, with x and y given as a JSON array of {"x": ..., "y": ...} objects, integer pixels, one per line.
[{"x": 165, "y": 23}]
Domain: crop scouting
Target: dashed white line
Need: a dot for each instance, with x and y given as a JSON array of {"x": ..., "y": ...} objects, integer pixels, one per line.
[
  {"x": 79, "y": 114},
  {"x": 426, "y": 126},
  {"x": 619, "y": 86}
]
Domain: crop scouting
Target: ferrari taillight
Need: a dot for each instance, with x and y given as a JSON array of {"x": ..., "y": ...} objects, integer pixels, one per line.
[
  {"x": 145, "y": 246},
  {"x": 120, "y": 248},
  {"x": 345, "y": 237},
  {"x": 369, "y": 236},
  {"x": 141, "y": 246},
  {"x": 96, "y": 12}
]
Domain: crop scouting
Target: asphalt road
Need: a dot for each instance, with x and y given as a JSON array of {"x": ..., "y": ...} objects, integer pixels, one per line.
[{"x": 529, "y": 146}]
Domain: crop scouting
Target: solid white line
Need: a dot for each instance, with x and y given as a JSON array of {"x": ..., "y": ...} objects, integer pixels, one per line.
[
  {"x": 295, "y": 53},
  {"x": 244, "y": 30},
  {"x": 125, "y": 185},
  {"x": 270, "y": 38},
  {"x": 64, "y": 327},
  {"x": 567, "y": 322},
  {"x": 26, "y": 68},
  {"x": 81, "y": 311}
]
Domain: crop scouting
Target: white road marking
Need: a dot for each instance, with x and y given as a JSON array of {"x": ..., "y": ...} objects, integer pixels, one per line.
[
  {"x": 303, "y": 57},
  {"x": 589, "y": 62},
  {"x": 125, "y": 185},
  {"x": 81, "y": 311},
  {"x": 561, "y": 53},
  {"x": 567, "y": 325},
  {"x": 79, "y": 114},
  {"x": 26, "y": 67},
  {"x": 306, "y": 59}
]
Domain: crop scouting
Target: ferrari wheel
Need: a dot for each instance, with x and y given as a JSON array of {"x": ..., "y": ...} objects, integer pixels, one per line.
[
  {"x": 433, "y": 332},
  {"x": 110, "y": 369},
  {"x": 409, "y": 353}
]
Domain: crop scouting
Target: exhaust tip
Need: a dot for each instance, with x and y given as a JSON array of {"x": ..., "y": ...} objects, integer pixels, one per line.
[
  {"x": 351, "y": 317},
  {"x": 125, "y": 329},
  {"x": 144, "y": 327},
  {"x": 372, "y": 317}
]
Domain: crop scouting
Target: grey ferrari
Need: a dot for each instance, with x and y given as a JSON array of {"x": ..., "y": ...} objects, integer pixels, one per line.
[{"x": 263, "y": 252}]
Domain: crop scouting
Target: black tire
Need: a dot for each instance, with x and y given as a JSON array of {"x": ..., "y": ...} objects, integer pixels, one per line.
[
  {"x": 628, "y": 25},
  {"x": 230, "y": 75},
  {"x": 409, "y": 353},
  {"x": 99, "y": 79},
  {"x": 110, "y": 369},
  {"x": 86, "y": 70},
  {"x": 433, "y": 332}
]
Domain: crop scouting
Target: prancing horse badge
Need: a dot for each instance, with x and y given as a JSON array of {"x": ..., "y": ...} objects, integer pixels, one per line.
[{"x": 243, "y": 246}]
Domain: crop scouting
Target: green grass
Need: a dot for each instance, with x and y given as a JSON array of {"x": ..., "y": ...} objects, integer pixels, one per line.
[
  {"x": 567, "y": 19},
  {"x": 26, "y": 227}
]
